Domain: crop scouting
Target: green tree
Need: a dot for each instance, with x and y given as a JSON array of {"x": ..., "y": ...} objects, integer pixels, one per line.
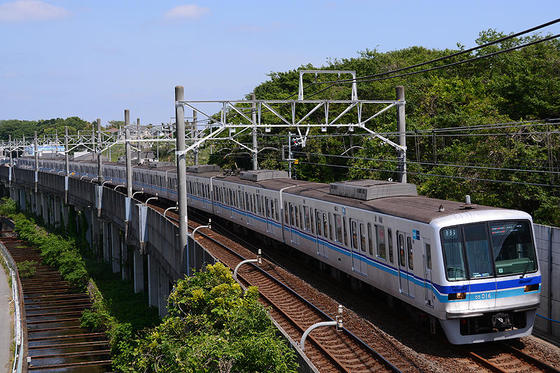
[{"x": 213, "y": 326}]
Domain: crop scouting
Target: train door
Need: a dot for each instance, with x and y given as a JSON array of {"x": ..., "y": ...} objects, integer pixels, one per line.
[
  {"x": 358, "y": 265},
  {"x": 321, "y": 223},
  {"x": 248, "y": 208},
  {"x": 404, "y": 274},
  {"x": 292, "y": 212},
  {"x": 268, "y": 215},
  {"x": 429, "y": 296}
]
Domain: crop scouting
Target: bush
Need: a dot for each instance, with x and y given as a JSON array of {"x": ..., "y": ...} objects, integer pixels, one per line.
[
  {"x": 27, "y": 268},
  {"x": 56, "y": 250},
  {"x": 213, "y": 326}
]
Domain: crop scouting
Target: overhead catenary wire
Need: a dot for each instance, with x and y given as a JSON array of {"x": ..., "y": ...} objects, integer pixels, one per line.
[
  {"x": 442, "y": 66},
  {"x": 430, "y": 163},
  {"x": 437, "y": 175},
  {"x": 490, "y": 43}
]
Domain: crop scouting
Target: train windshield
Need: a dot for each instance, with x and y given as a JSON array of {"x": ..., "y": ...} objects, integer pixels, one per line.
[{"x": 489, "y": 249}]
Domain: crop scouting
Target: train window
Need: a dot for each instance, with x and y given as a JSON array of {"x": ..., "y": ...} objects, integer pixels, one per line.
[
  {"x": 380, "y": 237},
  {"x": 330, "y": 227},
  {"x": 325, "y": 226},
  {"x": 362, "y": 237},
  {"x": 428, "y": 256},
  {"x": 275, "y": 211},
  {"x": 259, "y": 205},
  {"x": 410, "y": 253},
  {"x": 452, "y": 244},
  {"x": 370, "y": 239},
  {"x": 338, "y": 227},
  {"x": 306, "y": 218},
  {"x": 266, "y": 207},
  {"x": 311, "y": 221},
  {"x": 477, "y": 249},
  {"x": 318, "y": 221},
  {"x": 390, "y": 241},
  {"x": 286, "y": 212},
  {"x": 345, "y": 231},
  {"x": 296, "y": 212},
  {"x": 354, "y": 233},
  {"x": 247, "y": 202},
  {"x": 400, "y": 247}
]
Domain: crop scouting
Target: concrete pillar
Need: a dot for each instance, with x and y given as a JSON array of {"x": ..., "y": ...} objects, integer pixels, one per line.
[
  {"x": 45, "y": 207},
  {"x": 125, "y": 265},
  {"x": 115, "y": 249},
  {"x": 153, "y": 281},
  {"x": 89, "y": 234},
  {"x": 138, "y": 272},
  {"x": 106, "y": 242},
  {"x": 56, "y": 212},
  {"x": 181, "y": 172},
  {"x": 65, "y": 213},
  {"x": 163, "y": 293}
]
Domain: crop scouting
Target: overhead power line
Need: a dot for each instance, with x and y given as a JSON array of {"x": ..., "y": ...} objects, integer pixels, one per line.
[
  {"x": 435, "y": 164},
  {"x": 437, "y": 175},
  {"x": 444, "y": 66},
  {"x": 502, "y": 39}
]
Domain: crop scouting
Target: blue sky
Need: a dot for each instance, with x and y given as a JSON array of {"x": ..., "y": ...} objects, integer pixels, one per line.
[{"x": 94, "y": 58}]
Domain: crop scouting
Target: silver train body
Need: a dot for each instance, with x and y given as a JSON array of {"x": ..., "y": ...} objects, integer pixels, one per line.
[{"x": 473, "y": 268}]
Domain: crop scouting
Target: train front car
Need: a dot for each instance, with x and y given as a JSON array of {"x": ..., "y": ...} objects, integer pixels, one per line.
[{"x": 490, "y": 280}]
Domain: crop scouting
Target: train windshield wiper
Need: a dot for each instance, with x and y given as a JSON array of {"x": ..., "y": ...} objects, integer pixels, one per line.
[{"x": 529, "y": 261}]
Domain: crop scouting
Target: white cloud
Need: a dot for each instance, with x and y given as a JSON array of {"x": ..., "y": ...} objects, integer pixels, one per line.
[
  {"x": 30, "y": 10},
  {"x": 189, "y": 11}
]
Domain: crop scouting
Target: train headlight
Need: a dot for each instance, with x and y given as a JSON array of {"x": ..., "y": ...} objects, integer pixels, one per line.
[
  {"x": 533, "y": 287},
  {"x": 457, "y": 296}
]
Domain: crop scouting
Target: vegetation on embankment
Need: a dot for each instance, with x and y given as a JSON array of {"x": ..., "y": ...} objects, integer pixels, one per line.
[
  {"x": 57, "y": 251},
  {"x": 116, "y": 309},
  {"x": 213, "y": 326}
]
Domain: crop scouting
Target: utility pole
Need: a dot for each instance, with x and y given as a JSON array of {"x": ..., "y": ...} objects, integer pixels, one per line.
[
  {"x": 254, "y": 119},
  {"x": 127, "y": 154},
  {"x": 401, "y": 124},
  {"x": 290, "y": 159},
  {"x": 195, "y": 136},
  {"x": 66, "y": 164},
  {"x": 93, "y": 152},
  {"x": 66, "y": 152},
  {"x": 138, "y": 154},
  {"x": 99, "y": 160},
  {"x": 182, "y": 173},
  {"x": 36, "y": 162},
  {"x": 11, "y": 158}
]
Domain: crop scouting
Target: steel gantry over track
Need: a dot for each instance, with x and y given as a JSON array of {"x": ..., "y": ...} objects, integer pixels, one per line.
[{"x": 240, "y": 116}]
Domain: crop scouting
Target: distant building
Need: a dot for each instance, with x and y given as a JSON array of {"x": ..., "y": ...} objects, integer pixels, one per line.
[{"x": 43, "y": 149}]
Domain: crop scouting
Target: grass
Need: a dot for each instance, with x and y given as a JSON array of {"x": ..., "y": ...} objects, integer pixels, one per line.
[
  {"x": 120, "y": 299},
  {"x": 27, "y": 268}
]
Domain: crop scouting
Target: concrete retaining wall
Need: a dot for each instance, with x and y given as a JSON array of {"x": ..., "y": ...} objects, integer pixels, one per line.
[{"x": 548, "y": 314}]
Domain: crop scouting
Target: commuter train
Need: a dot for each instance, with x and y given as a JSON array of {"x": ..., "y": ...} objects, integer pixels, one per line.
[{"x": 473, "y": 268}]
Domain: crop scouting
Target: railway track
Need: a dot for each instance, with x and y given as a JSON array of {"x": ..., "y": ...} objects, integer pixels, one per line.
[
  {"x": 55, "y": 340},
  {"x": 504, "y": 358},
  {"x": 329, "y": 350}
]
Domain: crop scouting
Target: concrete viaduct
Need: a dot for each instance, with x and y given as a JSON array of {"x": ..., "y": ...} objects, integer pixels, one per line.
[{"x": 136, "y": 240}]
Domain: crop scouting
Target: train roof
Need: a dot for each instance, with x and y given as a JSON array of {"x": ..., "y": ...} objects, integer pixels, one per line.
[{"x": 419, "y": 208}]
